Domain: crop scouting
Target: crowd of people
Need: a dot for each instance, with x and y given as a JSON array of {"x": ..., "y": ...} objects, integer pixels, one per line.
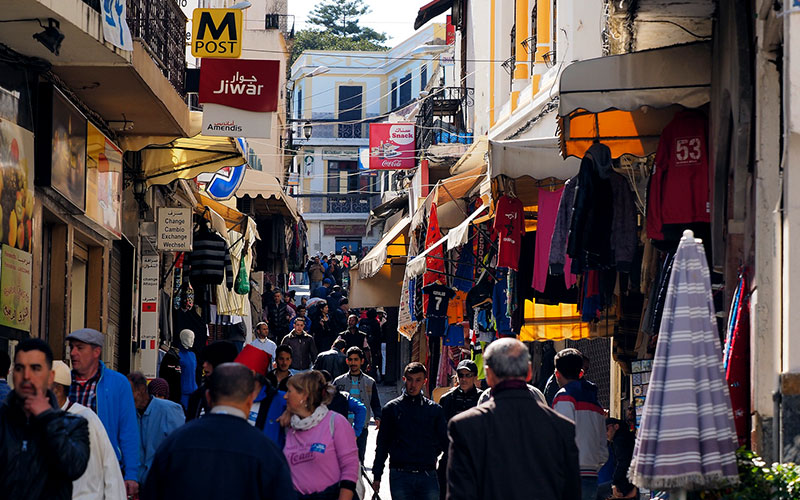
[{"x": 257, "y": 428}]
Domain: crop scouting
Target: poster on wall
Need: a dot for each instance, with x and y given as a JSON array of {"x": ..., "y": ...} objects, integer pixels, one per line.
[
  {"x": 391, "y": 146},
  {"x": 103, "y": 181},
  {"x": 15, "y": 288},
  {"x": 68, "y": 165},
  {"x": 16, "y": 185},
  {"x": 148, "y": 315}
]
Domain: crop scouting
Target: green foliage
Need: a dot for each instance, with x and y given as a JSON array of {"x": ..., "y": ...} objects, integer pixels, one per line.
[
  {"x": 312, "y": 39},
  {"x": 759, "y": 481}
]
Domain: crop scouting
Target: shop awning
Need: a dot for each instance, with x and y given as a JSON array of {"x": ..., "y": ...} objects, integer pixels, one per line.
[
  {"x": 387, "y": 209},
  {"x": 230, "y": 216},
  {"x": 376, "y": 258},
  {"x": 448, "y": 194},
  {"x": 265, "y": 187},
  {"x": 626, "y": 100},
  {"x": 535, "y": 158},
  {"x": 431, "y": 10},
  {"x": 474, "y": 157},
  {"x": 186, "y": 157},
  {"x": 382, "y": 290}
]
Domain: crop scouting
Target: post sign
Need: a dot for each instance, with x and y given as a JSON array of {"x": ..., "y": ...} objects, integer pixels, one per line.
[
  {"x": 247, "y": 84},
  {"x": 174, "y": 232},
  {"x": 217, "y": 33},
  {"x": 148, "y": 317},
  {"x": 391, "y": 146}
]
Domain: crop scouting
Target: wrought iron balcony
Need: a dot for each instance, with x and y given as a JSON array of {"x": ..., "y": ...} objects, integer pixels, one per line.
[
  {"x": 442, "y": 117},
  {"x": 349, "y": 203},
  {"x": 161, "y": 26}
]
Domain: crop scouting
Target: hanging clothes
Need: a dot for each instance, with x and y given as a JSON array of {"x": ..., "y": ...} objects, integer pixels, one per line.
[
  {"x": 434, "y": 262},
  {"x": 736, "y": 360},
  {"x": 508, "y": 229},
  {"x": 500, "y": 305},
  {"x": 678, "y": 191},
  {"x": 559, "y": 260},
  {"x": 624, "y": 235},
  {"x": 210, "y": 260},
  {"x": 545, "y": 225}
]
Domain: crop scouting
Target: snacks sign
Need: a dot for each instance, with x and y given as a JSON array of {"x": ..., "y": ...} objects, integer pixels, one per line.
[{"x": 391, "y": 146}]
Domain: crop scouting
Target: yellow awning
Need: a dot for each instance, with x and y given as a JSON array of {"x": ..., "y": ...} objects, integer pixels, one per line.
[
  {"x": 187, "y": 157},
  {"x": 376, "y": 258},
  {"x": 231, "y": 216}
]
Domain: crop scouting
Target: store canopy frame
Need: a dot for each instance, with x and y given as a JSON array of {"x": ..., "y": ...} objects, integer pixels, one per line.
[
  {"x": 187, "y": 157},
  {"x": 535, "y": 158},
  {"x": 375, "y": 259},
  {"x": 625, "y": 101},
  {"x": 259, "y": 184}
]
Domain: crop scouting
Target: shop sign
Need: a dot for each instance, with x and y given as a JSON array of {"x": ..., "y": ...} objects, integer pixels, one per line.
[
  {"x": 103, "y": 181},
  {"x": 226, "y": 121},
  {"x": 217, "y": 33},
  {"x": 223, "y": 183},
  {"x": 115, "y": 26},
  {"x": 344, "y": 230},
  {"x": 174, "y": 232},
  {"x": 391, "y": 146},
  {"x": 15, "y": 288},
  {"x": 16, "y": 185},
  {"x": 340, "y": 154},
  {"x": 247, "y": 84},
  {"x": 148, "y": 315}
]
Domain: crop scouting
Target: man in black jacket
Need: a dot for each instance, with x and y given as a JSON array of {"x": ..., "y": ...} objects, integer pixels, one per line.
[
  {"x": 42, "y": 448},
  {"x": 277, "y": 317},
  {"x": 511, "y": 447},
  {"x": 622, "y": 442},
  {"x": 412, "y": 434},
  {"x": 220, "y": 455}
]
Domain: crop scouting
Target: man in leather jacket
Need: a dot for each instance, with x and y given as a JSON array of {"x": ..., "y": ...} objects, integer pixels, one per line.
[{"x": 42, "y": 448}]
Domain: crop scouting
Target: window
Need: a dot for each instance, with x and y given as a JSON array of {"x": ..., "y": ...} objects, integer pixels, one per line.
[
  {"x": 405, "y": 90},
  {"x": 394, "y": 95},
  {"x": 299, "y": 103},
  {"x": 350, "y": 105},
  {"x": 423, "y": 77}
]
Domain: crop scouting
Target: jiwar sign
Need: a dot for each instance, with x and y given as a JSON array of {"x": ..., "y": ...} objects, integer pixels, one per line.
[
  {"x": 391, "y": 146},
  {"x": 174, "y": 233}
]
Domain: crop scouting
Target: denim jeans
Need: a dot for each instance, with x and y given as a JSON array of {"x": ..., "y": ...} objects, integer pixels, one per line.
[
  {"x": 361, "y": 442},
  {"x": 413, "y": 485},
  {"x": 588, "y": 488},
  {"x": 314, "y": 285}
]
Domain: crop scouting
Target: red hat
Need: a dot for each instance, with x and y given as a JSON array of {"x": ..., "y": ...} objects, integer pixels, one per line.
[{"x": 255, "y": 359}]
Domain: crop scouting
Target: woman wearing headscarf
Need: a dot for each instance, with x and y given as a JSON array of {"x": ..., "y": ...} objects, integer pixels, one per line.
[{"x": 320, "y": 444}]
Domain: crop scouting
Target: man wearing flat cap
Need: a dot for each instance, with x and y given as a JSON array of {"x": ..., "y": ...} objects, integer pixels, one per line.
[{"x": 109, "y": 395}]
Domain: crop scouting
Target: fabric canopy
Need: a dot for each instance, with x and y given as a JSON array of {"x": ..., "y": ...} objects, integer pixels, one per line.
[
  {"x": 475, "y": 156},
  {"x": 535, "y": 158},
  {"x": 230, "y": 216},
  {"x": 626, "y": 100},
  {"x": 376, "y": 258},
  {"x": 431, "y": 10},
  {"x": 186, "y": 157},
  {"x": 448, "y": 194},
  {"x": 259, "y": 184},
  {"x": 387, "y": 209}
]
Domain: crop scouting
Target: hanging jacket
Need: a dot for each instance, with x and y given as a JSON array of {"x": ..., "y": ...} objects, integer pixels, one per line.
[
  {"x": 678, "y": 189},
  {"x": 624, "y": 238},
  {"x": 210, "y": 260},
  {"x": 558, "y": 245}
]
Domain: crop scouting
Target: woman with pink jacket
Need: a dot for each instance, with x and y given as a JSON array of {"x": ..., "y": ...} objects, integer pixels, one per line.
[{"x": 320, "y": 444}]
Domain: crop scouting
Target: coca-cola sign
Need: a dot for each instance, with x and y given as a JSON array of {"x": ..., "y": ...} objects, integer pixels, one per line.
[
  {"x": 391, "y": 146},
  {"x": 251, "y": 85}
]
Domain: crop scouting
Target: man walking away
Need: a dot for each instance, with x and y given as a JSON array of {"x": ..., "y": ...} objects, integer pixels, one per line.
[
  {"x": 412, "y": 434},
  {"x": 220, "y": 455},
  {"x": 102, "y": 478},
  {"x": 333, "y": 361},
  {"x": 577, "y": 400},
  {"x": 362, "y": 387},
  {"x": 109, "y": 395},
  {"x": 511, "y": 447},
  {"x": 213, "y": 355},
  {"x": 456, "y": 400},
  {"x": 157, "y": 419},
  {"x": 43, "y": 448},
  {"x": 304, "y": 349}
]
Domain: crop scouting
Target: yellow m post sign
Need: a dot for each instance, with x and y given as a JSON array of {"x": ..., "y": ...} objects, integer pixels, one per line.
[{"x": 217, "y": 33}]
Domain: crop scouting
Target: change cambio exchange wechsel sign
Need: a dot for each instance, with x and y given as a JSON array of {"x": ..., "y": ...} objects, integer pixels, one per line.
[{"x": 391, "y": 146}]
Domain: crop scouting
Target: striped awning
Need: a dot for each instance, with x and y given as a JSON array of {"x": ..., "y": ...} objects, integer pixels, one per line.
[{"x": 687, "y": 439}]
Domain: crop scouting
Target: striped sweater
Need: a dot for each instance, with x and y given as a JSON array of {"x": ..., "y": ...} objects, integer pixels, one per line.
[
  {"x": 578, "y": 402},
  {"x": 209, "y": 260}
]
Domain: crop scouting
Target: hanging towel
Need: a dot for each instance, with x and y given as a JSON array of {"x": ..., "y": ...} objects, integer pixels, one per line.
[{"x": 548, "y": 211}]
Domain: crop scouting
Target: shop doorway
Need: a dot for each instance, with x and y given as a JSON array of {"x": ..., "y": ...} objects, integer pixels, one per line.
[{"x": 353, "y": 245}]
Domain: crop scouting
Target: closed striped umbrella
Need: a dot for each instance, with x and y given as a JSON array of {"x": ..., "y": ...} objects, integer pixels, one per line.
[{"x": 687, "y": 439}]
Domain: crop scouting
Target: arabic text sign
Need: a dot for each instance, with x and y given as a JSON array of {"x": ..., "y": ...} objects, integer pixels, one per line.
[
  {"x": 174, "y": 232},
  {"x": 217, "y": 33},
  {"x": 148, "y": 317},
  {"x": 246, "y": 84},
  {"x": 15, "y": 288},
  {"x": 391, "y": 146},
  {"x": 226, "y": 121}
]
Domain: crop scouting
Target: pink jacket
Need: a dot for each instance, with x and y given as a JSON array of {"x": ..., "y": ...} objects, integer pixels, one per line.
[{"x": 323, "y": 455}]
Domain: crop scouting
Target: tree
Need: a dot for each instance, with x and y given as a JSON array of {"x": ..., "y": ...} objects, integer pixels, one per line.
[
  {"x": 312, "y": 39},
  {"x": 340, "y": 17}
]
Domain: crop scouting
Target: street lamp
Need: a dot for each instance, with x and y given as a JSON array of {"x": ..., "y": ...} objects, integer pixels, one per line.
[{"x": 307, "y": 130}]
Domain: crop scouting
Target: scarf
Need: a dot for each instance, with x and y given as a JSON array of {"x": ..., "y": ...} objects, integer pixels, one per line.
[{"x": 303, "y": 424}]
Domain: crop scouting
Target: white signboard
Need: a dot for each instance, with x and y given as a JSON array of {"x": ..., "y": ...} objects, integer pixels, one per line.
[
  {"x": 115, "y": 27},
  {"x": 226, "y": 121},
  {"x": 148, "y": 315},
  {"x": 174, "y": 229}
]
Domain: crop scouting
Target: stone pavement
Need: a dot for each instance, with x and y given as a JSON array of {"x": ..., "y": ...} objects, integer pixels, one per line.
[{"x": 386, "y": 394}]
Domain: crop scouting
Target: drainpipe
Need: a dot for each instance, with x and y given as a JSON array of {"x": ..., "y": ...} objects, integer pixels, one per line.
[{"x": 777, "y": 433}]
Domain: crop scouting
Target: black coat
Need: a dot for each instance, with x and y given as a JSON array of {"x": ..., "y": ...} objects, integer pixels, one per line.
[
  {"x": 456, "y": 401},
  {"x": 512, "y": 447},
  {"x": 40, "y": 456},
  {"x": 622, "y": 445},
  {"x": 218, "y": 456}
]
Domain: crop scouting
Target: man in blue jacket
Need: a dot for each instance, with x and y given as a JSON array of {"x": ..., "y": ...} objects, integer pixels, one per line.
[{"x": 108, "y": 394}]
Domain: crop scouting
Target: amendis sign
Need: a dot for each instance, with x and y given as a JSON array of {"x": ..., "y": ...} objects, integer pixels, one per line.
[{"x": 217, "y": 33}]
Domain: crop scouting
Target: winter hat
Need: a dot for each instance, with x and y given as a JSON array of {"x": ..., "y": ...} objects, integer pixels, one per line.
[
  {"x": 255, "y": 359},
  {"x": 159, "y": 388}
]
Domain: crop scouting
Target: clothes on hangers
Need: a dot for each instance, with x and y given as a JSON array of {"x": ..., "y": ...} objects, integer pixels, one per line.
[
  {"x": 508, "y": 228},
  {"x": 560, "y": 262},
  {"x": 210, "y": 260},
  {"x": 546, "y": 222},
  {"x": 624, "y": 235}
]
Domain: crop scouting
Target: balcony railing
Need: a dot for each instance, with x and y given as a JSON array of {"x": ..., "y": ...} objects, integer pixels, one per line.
[
  {"x": 442, "y": 117},
  {"x": 350, "y": 203},
  {"x": 161, "y": 25}
]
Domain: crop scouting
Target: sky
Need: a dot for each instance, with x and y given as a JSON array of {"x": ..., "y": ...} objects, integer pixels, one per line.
[{"x": 393, "y": 17}]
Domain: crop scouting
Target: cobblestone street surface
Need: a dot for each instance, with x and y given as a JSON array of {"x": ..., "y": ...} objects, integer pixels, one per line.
[{"x": 386, "y": 393}]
